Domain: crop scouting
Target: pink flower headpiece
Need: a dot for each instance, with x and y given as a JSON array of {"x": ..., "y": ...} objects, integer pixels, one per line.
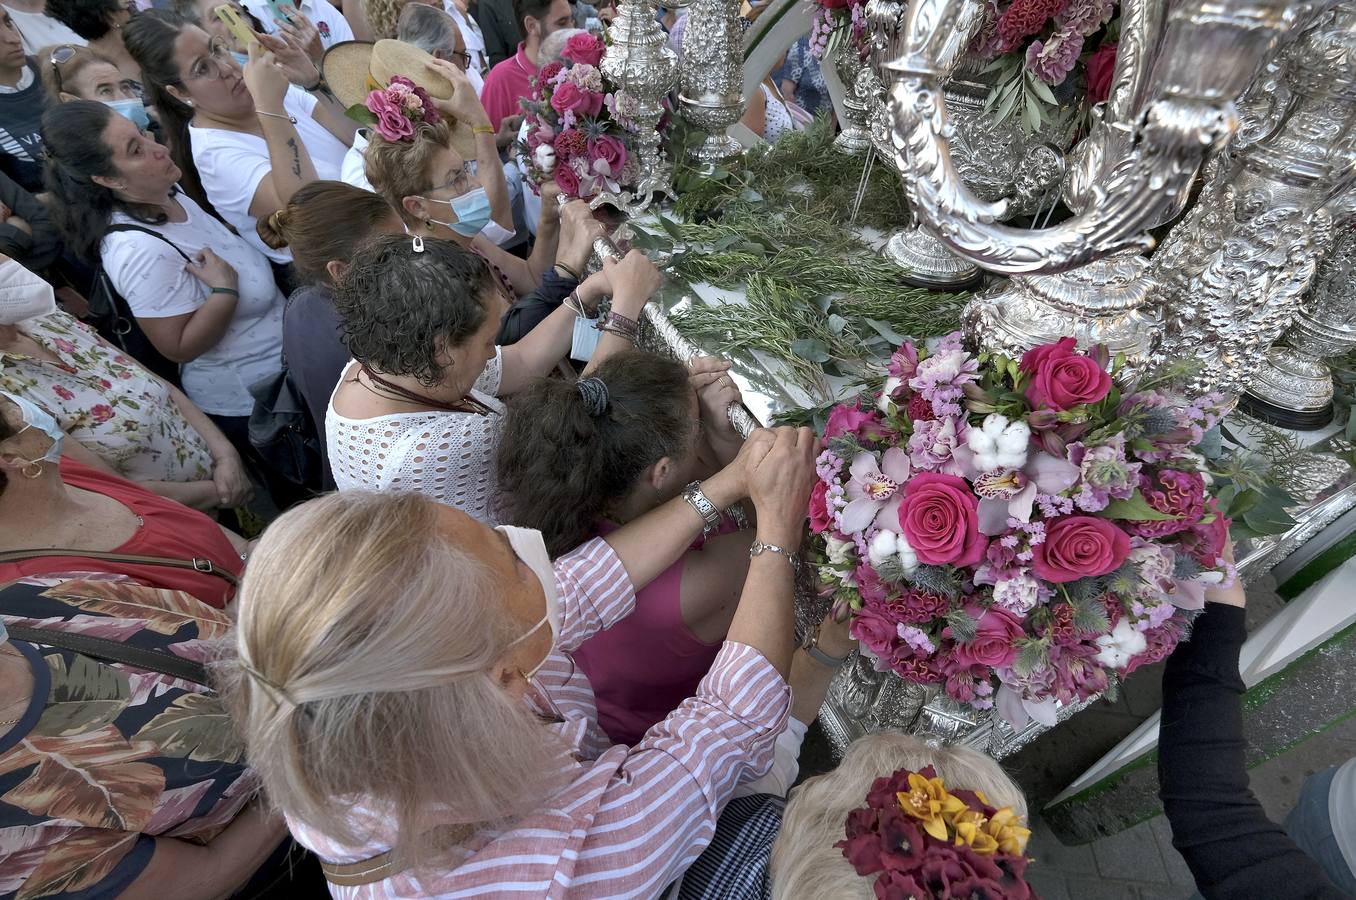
[
  {"x": 922, "y": 840},
  {"x": 400, "y": 109}
]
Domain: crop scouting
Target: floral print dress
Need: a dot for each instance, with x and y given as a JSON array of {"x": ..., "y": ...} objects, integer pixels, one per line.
[
  {"x": 109, "y": 756},
  {"x": 108, "y": 402}
]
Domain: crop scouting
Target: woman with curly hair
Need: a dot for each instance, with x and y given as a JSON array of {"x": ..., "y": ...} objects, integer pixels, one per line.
[{"x": 418, "y": 409}]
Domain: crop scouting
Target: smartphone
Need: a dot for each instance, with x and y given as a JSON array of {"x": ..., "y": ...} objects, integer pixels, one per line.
[
  {"x": 227, "y": 13},
  {"x": 275, "y": 9}
]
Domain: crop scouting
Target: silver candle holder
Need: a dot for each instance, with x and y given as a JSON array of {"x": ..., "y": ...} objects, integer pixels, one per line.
[{"x": 711, "y": 79}]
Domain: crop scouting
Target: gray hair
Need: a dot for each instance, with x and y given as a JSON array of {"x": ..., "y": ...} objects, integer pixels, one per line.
[
  {"x": 804, "y": 860},
  {"x": 554, "y": 45},
  {"x": 363, "y": 649},
  {"x": 428, "y": 28}
]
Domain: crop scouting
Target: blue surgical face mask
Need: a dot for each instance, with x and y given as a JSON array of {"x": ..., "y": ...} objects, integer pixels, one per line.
[
  {"x": 35, "y": 416},
  {"x": 241, "y": 58},
  {"x": 131, "y": 109},
  {"x": 472, "y": 209}
]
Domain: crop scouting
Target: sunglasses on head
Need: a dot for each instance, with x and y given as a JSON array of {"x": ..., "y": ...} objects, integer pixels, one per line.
[{"x": 60, "y": 56}]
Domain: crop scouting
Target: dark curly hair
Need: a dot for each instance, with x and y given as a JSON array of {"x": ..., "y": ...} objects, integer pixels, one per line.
[
  {"x": 394, "y": 301},
  {"x": 91, "y": 19},
  {"x": 563, "y": 470}
]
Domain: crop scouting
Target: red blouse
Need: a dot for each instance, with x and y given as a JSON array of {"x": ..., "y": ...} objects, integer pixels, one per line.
[{"x": 168, "y": 529}]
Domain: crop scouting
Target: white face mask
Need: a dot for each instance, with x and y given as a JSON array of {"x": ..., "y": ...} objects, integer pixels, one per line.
[
  {"x": 530, "y": 547},
  {"x": 23, "y": 295}
]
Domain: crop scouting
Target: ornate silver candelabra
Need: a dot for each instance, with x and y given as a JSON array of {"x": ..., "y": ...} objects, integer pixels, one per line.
[
  {"x": 711, "y": 81},
  {"x": 639, "y": 61},
  {"x": 855, "y": 137},
  {"x": 1234, "y": 270},
  {"x": 1168, "y": 113},
  {"x": 1294, "y": 386}
]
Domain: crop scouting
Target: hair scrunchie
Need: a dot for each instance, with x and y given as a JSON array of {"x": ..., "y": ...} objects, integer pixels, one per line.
[{"x": 594, "y": 394}]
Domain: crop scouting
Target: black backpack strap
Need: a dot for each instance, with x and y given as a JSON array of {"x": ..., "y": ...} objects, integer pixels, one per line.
[
  {"x": 127, "y": 226},
  {"x": 113, "y": 651}
]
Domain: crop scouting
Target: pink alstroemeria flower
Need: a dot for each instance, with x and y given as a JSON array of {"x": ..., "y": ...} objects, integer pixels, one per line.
[
  {"x": 1010, "y": 494},
  {"x": 874, "y": 491}
]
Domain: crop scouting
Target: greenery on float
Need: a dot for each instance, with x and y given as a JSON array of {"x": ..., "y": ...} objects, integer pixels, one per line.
[{"x": 775, "y": 225}]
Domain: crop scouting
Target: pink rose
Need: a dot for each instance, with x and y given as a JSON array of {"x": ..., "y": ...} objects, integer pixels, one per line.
[
  {"x": 569, "y": 97},
  {"x": 992, "y": 648},
  {"x": 846, "y": 419},
  {"x": 877, "y": 632},
  {"x": 101, "y": 412},
  {"x": 820, "y": 520},
  {"x": 392, "y": 123},
  {"x": 584, "y": 48},
  {"x": 939, "y": 519},
  {"x": 608, "y": 150},
  {"x": 1079, "y": 547},
  {"x": 1101, "y": 66},
  {"x": 1062, "y": 378},
  {"x": 567, "y": 181}
]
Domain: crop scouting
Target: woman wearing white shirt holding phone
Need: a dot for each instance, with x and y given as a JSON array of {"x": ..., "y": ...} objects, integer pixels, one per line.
[{"x": 250, "y": 138}]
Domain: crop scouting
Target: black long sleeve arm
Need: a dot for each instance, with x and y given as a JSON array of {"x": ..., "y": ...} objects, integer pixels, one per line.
[
  {"x": 528, "y": 312},
  {"x": 1219, "y": 827}
]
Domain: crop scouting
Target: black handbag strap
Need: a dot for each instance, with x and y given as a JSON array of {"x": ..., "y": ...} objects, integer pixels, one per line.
[
  {"x": 127, "y": 226},
  {"x": 112, "y": 651},
  {"x": 197, "y": 564}
]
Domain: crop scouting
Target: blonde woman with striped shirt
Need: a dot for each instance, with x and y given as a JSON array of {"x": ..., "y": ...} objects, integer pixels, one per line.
[{"x": 404, "y": 684}]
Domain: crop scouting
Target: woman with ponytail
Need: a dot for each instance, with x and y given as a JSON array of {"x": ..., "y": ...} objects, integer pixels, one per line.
[
  {"x": 577, "y": 461},
  {"x": 205, "y": 299},
  {"x": 322, "y": 225}
]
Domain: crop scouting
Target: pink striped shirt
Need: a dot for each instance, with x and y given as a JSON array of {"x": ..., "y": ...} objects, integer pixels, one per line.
[{"x": 631, "y": 820}]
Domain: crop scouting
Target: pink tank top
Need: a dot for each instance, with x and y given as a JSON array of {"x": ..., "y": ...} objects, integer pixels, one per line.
[{"x": 643, "y": 667}]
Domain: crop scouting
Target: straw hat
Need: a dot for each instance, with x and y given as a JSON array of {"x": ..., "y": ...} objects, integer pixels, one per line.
[{"x": 353, "y": 69}]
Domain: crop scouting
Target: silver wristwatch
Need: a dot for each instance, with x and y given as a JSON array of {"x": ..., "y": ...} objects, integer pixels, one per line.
[{"x": 704, "y": 507}]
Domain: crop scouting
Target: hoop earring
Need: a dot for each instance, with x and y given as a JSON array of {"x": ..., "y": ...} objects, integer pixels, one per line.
[{"x": 32, "y": 470}]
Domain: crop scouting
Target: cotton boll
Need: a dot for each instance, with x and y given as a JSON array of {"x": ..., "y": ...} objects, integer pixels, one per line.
[
  {"x": 545, "y": 158},
  {"x": 907, "y": 558},
  {"x": 1015, "y": 437},
  {"x": 1124, "y": 643},
  {"x": 883, "y": 546}
]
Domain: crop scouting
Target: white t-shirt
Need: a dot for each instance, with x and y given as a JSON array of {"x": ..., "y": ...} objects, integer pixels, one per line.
[
  {"x": 232, "y": 164},
  {"x": 472, "y": 37},
  {"x": 354, "y": 169},
  {"x": 38, "y": 31},
  {"x": 326, "y": 18},
  {"x": 150, "y": 275}
]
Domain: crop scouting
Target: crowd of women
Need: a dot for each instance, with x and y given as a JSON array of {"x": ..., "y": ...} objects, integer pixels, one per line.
[{"x": 345, "y": 543}]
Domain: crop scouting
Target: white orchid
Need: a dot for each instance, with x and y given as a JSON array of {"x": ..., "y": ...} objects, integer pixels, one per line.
[
  {"x": 886, "y": 399},
  {"x": 840, "y": 551}
]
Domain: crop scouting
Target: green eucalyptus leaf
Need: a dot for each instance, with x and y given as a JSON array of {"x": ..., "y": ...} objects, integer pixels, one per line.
[
  {"x": 812, "y": 349},
  {"x": 884, "y": 330},
  {"x": 837, "y": 323},
  {"x": 361, "y": 114},
  {"x": 1042, "y": 90}
]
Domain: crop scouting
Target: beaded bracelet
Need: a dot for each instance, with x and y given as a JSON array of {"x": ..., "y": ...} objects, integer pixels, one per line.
[{"x": 620, "y": 325}]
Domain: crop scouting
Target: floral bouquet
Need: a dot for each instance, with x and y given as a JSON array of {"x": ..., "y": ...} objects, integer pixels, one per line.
[
  {"x": 396, "y": 111},
  {"x": 1021, "y": 531},
  {"x": 836, "y": 21},
  {"x": 921, "y": 840},
  {"x": 1040, "y": 49},
  {"x": 579, "y": 128}
]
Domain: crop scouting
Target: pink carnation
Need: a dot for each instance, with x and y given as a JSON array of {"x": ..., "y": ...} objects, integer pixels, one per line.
[{"x": 393, "y": 124}]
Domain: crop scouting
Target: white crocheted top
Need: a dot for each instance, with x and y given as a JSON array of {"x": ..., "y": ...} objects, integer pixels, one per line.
[{"x": 448, "y": 456}]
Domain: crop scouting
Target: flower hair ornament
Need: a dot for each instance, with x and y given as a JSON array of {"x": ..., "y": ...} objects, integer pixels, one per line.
[
  {"x": 924, "y": 842},
  {"x": 399, "y": 109}
]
